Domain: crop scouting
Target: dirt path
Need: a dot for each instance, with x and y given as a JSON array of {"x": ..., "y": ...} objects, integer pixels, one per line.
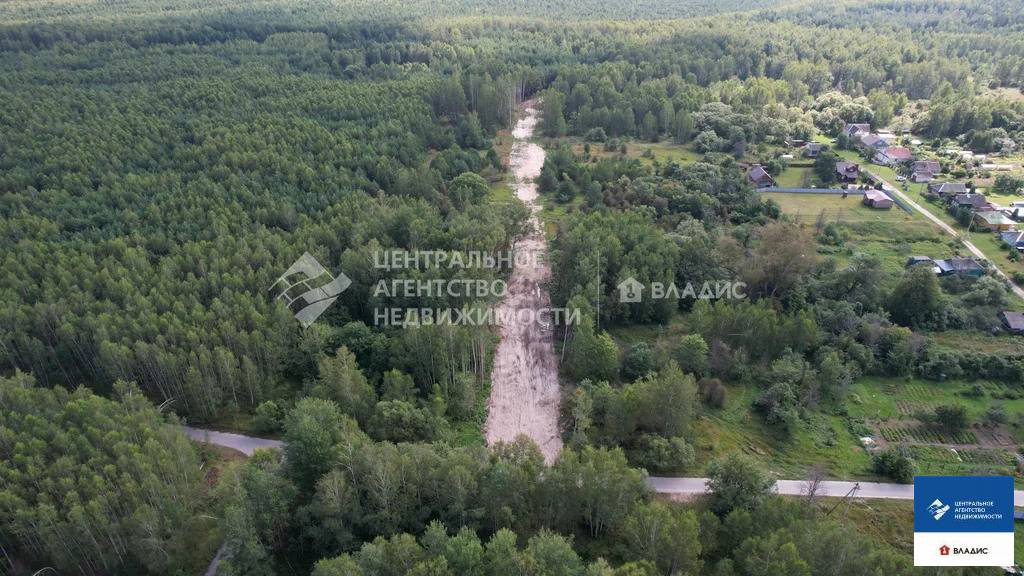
[
  {"x": 524, "y": 382},
  {"x": 967, "y": 244}
]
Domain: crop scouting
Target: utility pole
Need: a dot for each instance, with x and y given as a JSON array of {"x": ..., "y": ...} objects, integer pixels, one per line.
[{"x": 848, "y": 498}]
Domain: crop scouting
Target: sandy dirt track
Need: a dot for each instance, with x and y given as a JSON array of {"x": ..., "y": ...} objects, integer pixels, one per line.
[{"x": 524, "y": 382}]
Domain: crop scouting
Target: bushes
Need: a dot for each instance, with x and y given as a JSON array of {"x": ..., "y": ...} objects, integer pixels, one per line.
[
  {"x": 660, "y": 454},
  {"x": 712, "y": 392},
  {"x": 895, "y": 463}
]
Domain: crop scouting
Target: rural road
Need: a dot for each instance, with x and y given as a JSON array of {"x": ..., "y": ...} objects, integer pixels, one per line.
[
  {"x": 974, "y": 249},
  {"x": 836, "y": 488},
  {"x": 244, "y": 444}
]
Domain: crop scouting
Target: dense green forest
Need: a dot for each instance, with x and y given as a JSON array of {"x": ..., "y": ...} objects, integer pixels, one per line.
[{"x": 162, "y": 163}]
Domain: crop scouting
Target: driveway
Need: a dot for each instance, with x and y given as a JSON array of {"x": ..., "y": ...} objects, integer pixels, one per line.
[{"x": 971, "y": 247}]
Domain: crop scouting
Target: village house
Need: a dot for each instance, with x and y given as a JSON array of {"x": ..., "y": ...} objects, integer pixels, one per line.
[
  {"x": 847, "y": 171},
  {"x": 811, "y": 149},
  {"x": 993, "y": 220},
  {"x": 947, "y": 188},
  {"x": 959, "y": 267},
  {"x": 760, "y": 177},
  {"x": 931, "y": 166},
  {"x": 1014, "y": 214},
  {"x": 892, "y": 155},
  {"x": 922, "y": 176},
  {"x": 877, "y": 199},
  {"x": 854, "y": 129},
  {"x": 1014, "y": 238},
  {"x": 873, "y": 141},
  {"x": 795, "y": 143},
  {"x": 886, "y": 135},
  {"x": 1013, "y": 321},
  {"x": 914, "y": 260},
  {"x": 971, "y": 202}
]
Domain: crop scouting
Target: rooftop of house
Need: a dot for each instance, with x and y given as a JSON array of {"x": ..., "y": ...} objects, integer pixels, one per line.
[
  {"x": 758, "y": 173},
  {"x": 959, "y": 264},
  {"x": 949, "y": 188},
  {"x": 1013, "y": 237},
  {"x": 994, "y": 218},
  {"x": 970, "y": 199},
  {"x": 870, "y": 139},
  {"x": 897, "y": 153},
  {"x": 847, "y": 168},
  {"x": 1014, "y": 320},
  {"x": 932, "y": 166}
]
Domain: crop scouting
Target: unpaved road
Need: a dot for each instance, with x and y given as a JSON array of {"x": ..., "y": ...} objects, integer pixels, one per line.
[
  {"x": 244, "y": 444},
  {"x": 974, "y": 249},
  {"x": 524, "y": 381}
]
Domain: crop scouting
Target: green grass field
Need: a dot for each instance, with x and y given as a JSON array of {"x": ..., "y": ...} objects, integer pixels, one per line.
[
  {"x": 806, "y": 207},
  {"x": 796, "y": 178}
]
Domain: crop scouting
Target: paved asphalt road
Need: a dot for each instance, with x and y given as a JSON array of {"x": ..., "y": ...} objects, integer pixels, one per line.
[
  {"x": 836, "y": 488},
  {"x": 793, "y": 487},
  {"x": 974, "y": 249},
  {"x": 798, "y": 487}
]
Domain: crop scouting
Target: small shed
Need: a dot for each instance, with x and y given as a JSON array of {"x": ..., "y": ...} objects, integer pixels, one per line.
[
  {"x": 913, "y": 260},
  {"x": 1013, "y": 321},
  {"x": 877, "y": 199}
]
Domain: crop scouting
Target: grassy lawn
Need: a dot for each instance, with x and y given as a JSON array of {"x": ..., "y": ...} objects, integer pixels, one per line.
[
  {"x": 1018, "y": 541},
  {"x": 502, "y": 191},
  {"x": 806, "y": 207},
  {"x": 795, "y": 178}
]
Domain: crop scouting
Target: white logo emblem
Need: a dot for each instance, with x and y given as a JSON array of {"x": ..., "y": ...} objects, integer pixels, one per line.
[
  {"x": 316, "y": 294},
  {"x": 937, "y": 509}
]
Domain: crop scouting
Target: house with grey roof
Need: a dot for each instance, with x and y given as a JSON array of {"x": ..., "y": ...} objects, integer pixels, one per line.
[
  {"x": 947, "y": 188},
  {"x": 958, "y": 267},
  {"x": 847, "y": 171},
  {"x": 760, "y": 177},
  {"x": 1012, "y": 321},
  {"x": 932, "y": 166}
]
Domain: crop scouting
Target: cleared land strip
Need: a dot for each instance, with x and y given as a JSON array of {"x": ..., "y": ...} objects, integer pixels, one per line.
[{"x": 666, "y": 485}]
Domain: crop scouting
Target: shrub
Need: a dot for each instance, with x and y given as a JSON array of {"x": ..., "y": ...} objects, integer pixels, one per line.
[{"x": 895, "y": 463}]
